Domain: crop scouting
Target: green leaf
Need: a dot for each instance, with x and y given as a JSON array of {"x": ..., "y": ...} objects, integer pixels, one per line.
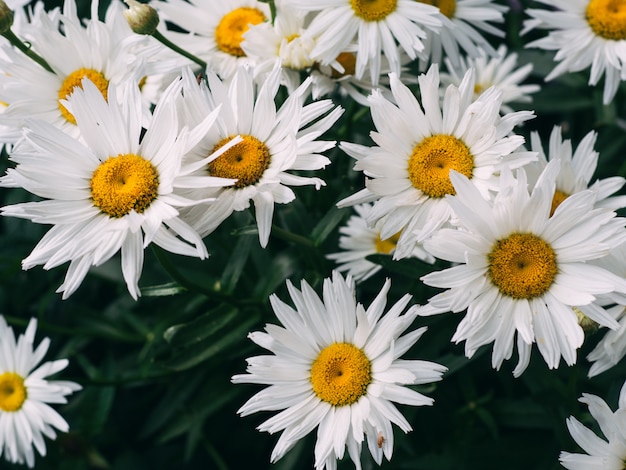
[
  {"x": 328, "y": 223},
  {"x": 200, "y": 328},
  {"x": 236, "y": 264},
  {"x": 163, "y": 290}
]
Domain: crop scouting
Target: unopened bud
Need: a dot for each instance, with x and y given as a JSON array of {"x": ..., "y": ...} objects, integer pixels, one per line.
[
  {"x": 142, "y": 18},
  {"x": 6, "y": 17}
]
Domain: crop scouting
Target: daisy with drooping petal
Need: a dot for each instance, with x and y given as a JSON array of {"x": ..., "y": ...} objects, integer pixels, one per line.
[
  {"x": 96, "y": 51},
  {"x": 335, "y": 367},
  {"x": 114, "y": 193},
  {"x": 601, "y": 454},
  {"x": 25, "y": 393},
  {"x": 523, "y": 271},
  {"x": 584, "y": 33},
  {"x": 576, "y": 170},
  {"x": 377, "y": 27},
  {"x": 462, "y": 24},
  {"x": 408, "y": 172},
  {"x": 215, "y": 29},
  {"x": 275, "y": 143},
  {"x": 498, "y": 71},
  {"x": 358, "y": 240}
]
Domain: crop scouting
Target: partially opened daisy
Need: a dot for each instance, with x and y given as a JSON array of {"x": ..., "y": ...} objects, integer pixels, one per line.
[
  {"x": 584, "y": 34},
  {"x": 377, "y": 26},
  {"x": 463, "y": 23},
  {"x": 335, "y": 367},
  {"x": 600, "y": 454},
  {"x": 25, "y": 394},
  {"x": 522, "y": 271},
  {"x": 358, "y": 240},
  {"x": 275, "y": 143},
  {"x": 418, "y": 144},
  {"x": 215, "y": 29},
  {"x": 499, "y": 71},
  {"x": 576, "y": 169},
  {"x": 116, "y": 192},
  {"x": 95, "y": 50}
]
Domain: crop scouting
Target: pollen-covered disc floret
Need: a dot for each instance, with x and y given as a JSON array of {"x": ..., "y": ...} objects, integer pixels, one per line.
[
  {"x": 232, "y": 26},
  {"x": 246, "y": 161},
  {"x": 419, "y": 143},
  {"x": 335, "y": 366},
  {"x": 74, "y": 80},
  {"x": 522, "y": 272},
  {"x": 25, "y": 394},
  {"x": 584, "y": 34},
  {"x": 373, "y": 10},
  {"x": 608, "y": 453}
]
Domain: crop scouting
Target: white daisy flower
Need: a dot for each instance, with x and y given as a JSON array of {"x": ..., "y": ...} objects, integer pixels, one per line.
[
  {"x": 601, "y": 454},
  {"x": 584, "y": 33},
  {"x": 408, "y": 172},
  {"x": 462, "y": 24},
  {"x": 376, "y": 26},
  {"x": 275, "y": 142},
  {"x": 358, "y": 240},
  {"x": 523, "y": 271},
  {"x": 96, "y": 51},
  {"x": 336, "y": 366},
  {"x": 215, "y": 29},
  {"x": 576, "y": 170},
  {"x": 25, "y": 415},
  {"x": 498, "y": 71},
  {"x": 116, "y": 192}
]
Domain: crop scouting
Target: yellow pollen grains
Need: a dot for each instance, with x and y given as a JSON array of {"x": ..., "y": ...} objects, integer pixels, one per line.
[
  {"x": 388, "y": 245},
  {"x": 446, "y": 7},
  {"x": 246, "y": 161},
  {"x": 557, "y": 199},
  {"x": 431, "y": 162},
  {"x": 232, "y": 26},
  {"x": 348, "y": 62},
  {"x": 12, "y": 392},
  {"x": 373, "y": 10},
  {"x": 522, "y": 266},
  {"x": 124, "y": 183},
  {"x": 340, "y": 374},
  {"x": 607, "y": 18},
  {"x": 74, "y": 80}
]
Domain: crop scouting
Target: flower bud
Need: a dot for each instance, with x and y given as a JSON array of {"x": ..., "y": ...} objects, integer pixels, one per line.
[
  {"x": 142, "y": 18},
  {"x": 6, "y": 17}
]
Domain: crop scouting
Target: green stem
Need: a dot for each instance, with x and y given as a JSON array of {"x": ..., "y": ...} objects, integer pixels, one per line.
[
  {"x": 291, "y": 237},
  {"x": 217, "y": 458},
  {"x": 26, "y": 49},
  {"x": 167, "y": 43}
]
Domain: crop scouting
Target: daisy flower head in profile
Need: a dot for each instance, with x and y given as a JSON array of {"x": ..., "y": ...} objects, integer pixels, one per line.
[
  {"x": 378, "y": 27},
  {"x": 523, "y": 271},
  {"x": 576, "y": 169},
  {"x": 584, "y": 34},
  {"x": 275, "y": 142},
  {"x": 418, "y": 144},
  {"x": 112, "y": 191},
  {"x": 336, "y": 367},
  {"x": 463, "y": 22},
  {"x": 499, "y": 71},
  {"x": 25, "y": 394},
  {"x": 600, "y": 454},
  {"x": 215, "y": 29},
  {"x": 358, "y": 240},
  {"x": 73, "y": 51}
]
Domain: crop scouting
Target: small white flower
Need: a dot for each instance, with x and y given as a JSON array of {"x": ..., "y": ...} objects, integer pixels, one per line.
[
  {"x": 25, "y": 416},
  {"x": 336, "y": 367}
]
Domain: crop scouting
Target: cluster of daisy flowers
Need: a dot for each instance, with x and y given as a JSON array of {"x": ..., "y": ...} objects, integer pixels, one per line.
[{"x": 157, "y": 123}]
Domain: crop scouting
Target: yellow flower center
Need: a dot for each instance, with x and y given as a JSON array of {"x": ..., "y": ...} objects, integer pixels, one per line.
[
  {"x": 388, "y": 245},
  {"x": 245, "y": 161},
  {"x": 340, "y": 374},
  {"x": 607, "y": 18},
  {"x": 232, "y": 26},
  {"x": 74, "y": 80},
  {"x": 431, "y": 162},
  {"x": 348, "y": 62},
  {"x": 373, "y": 10},
  {"x": 586, "y": 323},
  {"x": 124, "y": 183},
  {"x": 557, "y": 199},
  {"x": 522, "y": 266},
  {"x": 12, "y": 392},
  {"x": 446, "y": 7}
]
